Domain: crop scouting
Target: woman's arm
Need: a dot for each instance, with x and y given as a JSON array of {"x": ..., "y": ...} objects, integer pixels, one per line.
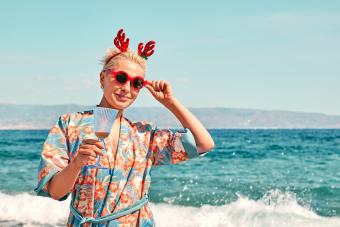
[
  {"x": 202, "y": 137},
  {"x": 162, "y": 91},
  {"x": 63, "y": 182}
]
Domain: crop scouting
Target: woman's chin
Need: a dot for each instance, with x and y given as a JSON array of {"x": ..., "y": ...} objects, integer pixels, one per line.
[{"x": 121, "y": 105}]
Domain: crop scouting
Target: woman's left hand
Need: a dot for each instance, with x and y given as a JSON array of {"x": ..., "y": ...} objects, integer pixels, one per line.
[{"x": 161, "y": 91}]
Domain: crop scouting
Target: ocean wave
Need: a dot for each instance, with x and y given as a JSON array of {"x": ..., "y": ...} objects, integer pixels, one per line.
[{"x": 275, "y": 209}]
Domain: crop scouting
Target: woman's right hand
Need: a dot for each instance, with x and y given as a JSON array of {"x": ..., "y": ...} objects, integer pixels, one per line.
[{"x": 88, "y": 150}]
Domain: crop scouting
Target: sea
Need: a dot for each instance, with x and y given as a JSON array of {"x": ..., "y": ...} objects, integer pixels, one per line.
[{"x": 252, "y": 178}]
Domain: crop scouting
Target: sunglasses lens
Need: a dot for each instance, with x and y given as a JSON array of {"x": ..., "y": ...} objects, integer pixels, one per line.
[
  {"x": 121, "y": 78},
  {"x": 138, "y": 83}
]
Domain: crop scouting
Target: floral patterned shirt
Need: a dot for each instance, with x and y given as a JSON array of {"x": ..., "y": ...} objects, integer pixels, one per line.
[{"x": 99, "y": 192}]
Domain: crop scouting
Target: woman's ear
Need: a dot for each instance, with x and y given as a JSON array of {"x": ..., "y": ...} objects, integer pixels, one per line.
[{"x": 101, "y": 78}]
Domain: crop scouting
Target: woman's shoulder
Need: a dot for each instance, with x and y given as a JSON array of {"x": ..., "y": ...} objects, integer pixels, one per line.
[
  {"x": 140, "y": 126},
  {"x": 73, "y": 117}
]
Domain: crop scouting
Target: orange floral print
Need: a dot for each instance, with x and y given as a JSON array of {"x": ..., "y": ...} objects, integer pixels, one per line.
[{"x": 140, "y": 146}]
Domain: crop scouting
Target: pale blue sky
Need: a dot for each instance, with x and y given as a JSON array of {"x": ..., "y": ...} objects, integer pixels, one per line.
[{"x": 275, "y": 55}]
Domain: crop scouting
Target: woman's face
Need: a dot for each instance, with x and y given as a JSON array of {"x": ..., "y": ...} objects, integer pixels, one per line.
[{"x": 120, "y": 96}]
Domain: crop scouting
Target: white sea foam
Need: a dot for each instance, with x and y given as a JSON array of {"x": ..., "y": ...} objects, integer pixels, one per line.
[{"x": 276, "y": 209}]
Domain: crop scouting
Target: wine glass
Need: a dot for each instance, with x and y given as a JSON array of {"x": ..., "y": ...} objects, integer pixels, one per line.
[{"x": 103, "y": 121}]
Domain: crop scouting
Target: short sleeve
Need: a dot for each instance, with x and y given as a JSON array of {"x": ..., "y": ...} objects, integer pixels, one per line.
[
  {"x": 172, "y": 146},
  {"x": 54, "y": 156}
]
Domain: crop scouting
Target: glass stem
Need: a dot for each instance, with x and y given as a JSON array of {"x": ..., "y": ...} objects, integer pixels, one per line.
[{"x": 98, "y": 159}]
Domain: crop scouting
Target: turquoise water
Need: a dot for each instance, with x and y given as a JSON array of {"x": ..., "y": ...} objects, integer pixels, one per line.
[{"x": 262, "y": 169}]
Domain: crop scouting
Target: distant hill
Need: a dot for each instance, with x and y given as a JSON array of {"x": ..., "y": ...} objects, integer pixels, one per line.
[{"x": 42, "y": 117}]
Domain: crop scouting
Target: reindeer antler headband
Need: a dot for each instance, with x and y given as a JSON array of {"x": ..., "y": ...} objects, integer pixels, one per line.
[{"x": 122, "y": 44}]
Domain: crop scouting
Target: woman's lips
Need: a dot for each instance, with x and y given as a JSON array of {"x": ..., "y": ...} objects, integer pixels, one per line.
[{"x": 122, "y": 98}]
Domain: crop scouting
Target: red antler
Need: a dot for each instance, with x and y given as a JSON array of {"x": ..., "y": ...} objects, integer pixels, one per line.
[
  {"x": 148, "y": 49},
  {"x": 120, "y": 41}
]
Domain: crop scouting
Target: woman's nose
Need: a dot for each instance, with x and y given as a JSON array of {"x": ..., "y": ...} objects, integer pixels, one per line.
[{"x": 126, "y": 86}]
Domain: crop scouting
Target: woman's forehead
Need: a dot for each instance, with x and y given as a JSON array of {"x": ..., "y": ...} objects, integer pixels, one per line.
[{"x": 128, "y": 66}]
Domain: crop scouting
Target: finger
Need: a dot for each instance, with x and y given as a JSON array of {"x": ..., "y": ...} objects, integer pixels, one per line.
[
  {"x": 87, "y": 152},
  {"x": 162, "y": 85},
  {"x": 151, "y": 89},
  {"x": 148, "y": 82},
  {"x": 86, "y": 158},
  {"x": 157, "y": 85},
  {"x": 95, "y": 142},
  {"x": 93, "y": 148},
  {"x": 167, "y": 87},
  {"x": 89, "y": 141},
  {"x": 98, "y": 143},
  {"x": 154, "y": 84},
  {"x": 92, "y": 159}
]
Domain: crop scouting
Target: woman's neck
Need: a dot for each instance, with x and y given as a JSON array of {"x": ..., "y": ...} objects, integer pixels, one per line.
[{"x": 104, "y": 103}]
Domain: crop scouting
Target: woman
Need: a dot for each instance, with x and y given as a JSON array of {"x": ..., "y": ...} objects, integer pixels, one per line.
[{"x": 117, "y": 197}]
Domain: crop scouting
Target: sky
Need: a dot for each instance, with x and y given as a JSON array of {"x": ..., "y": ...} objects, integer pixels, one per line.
[{"x": 271, "y": 55}]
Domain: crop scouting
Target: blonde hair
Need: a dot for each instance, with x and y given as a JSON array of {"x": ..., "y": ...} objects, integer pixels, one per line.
[{"x": 114, "y": 55}]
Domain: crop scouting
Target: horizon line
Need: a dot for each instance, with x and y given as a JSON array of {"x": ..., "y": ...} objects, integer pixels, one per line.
[{"x": 240, "y": 108}]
